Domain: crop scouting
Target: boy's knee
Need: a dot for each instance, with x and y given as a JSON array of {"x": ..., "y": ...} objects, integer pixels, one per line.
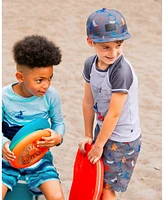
[
  {"x": 58, "y": 196},
  {"x": 108, "y": 194}
]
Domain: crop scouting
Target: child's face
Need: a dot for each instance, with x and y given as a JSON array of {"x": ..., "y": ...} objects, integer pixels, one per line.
[
  {"x": 35, "y": 81},
  {"x": 107, "y": 52}
]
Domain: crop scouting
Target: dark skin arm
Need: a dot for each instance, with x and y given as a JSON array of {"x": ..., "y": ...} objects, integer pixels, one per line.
[
  {"x": 53, "y": 140},
  {"x": 49, "y": 142}
]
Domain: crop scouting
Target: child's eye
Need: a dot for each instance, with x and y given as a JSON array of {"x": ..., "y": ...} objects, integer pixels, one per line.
[
  {"x": 105, "y": 48},
  {"x": 39, "y": 80},
  {"x": 50, "y": 78},
  {"x": 119, "y": 45}
]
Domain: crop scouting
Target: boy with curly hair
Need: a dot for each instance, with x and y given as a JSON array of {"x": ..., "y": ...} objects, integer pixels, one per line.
[
  {"x": 30, "y": 98},
  {"x": 111, "y": 93}
]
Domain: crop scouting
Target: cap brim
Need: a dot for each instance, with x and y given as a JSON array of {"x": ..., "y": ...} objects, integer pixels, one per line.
[{"x": 110, "y": 39}]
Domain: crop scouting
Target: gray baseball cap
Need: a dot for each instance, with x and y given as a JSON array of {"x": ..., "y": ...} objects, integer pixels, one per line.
[{"x": 107, "y": 25}]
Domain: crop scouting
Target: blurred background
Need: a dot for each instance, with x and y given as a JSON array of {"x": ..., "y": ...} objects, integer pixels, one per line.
[{"x": 63, "y": 22}]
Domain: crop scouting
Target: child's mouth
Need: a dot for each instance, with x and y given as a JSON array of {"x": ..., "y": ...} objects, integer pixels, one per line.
[
  {"x": 42, "y": 93},
  {"x": 110, "y": 58}
]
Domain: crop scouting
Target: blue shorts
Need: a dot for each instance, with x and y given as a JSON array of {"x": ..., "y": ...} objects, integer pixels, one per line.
[
  {"x": 35, "y": 175},
  {"x": 119, "y": 161}
]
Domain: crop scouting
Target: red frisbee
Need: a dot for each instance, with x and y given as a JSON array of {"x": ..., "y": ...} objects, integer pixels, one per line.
[{"x": 88, "y": 179}]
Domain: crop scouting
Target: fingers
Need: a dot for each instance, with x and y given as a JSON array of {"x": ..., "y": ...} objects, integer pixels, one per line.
[
  {"x": 47, "y": 141},
  {"x": 9, "y": 157},
  {"x": 7, "y": 153},
  {"x": 52, "y": 135},
  {"x": 88, "y": 140},
  {"x": 82, "y": 147},
  {"x": 95, "y": 154},
  {"x": 93, "y": 160}
]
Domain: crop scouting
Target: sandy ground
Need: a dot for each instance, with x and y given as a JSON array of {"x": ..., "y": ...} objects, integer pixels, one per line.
[{"x": 64, "y": 23}]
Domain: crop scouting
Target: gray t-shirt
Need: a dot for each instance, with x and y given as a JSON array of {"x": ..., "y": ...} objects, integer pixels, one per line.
[{"x": 118, "y": 77}]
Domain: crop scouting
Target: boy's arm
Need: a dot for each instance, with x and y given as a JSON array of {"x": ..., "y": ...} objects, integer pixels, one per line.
[
  {"x": 111, "y": 119},
  {"x": 88, "y": 114},
  {"x": 6, "y": 152},
  {"x": 57, "y": 121},
  {"x": 115, "y": 107},
  {"x": 56, "y": 117},
  {"x": 88, "y": 111},
  {"x": 57, "y": 129},
  {"x": 4, "y": 140}
]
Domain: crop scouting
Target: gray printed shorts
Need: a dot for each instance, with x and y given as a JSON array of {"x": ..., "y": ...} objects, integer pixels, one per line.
[{"x": 119, "y": 161}]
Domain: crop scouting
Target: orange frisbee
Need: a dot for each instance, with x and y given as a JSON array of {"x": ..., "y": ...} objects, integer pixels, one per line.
[
  {"x": 26, "y": 151},
  {"x": 24, "y": 143}
]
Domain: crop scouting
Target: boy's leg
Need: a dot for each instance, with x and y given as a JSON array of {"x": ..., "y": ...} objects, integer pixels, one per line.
[
  {"x": 52, "y": 190},
  {"x": 108, "y": 195},
  {"x": 9, "y": 177},
  {"x": 119, "y": 162},
  {"x": 4, "y": 190},
  {"x": 42, "y": 177}
]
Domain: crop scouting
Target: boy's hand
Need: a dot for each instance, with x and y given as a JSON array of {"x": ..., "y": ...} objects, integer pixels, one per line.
[
  {"x": 88, "y": 140},
  {"x": 95, "y": 154},
  {"x": 7, "y": 153},
  {"x": 51, "y": 141}
]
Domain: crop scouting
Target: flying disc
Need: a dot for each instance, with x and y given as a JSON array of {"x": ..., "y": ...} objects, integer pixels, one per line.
[
  {"x": 24, "y": 143},
  {"x": 88, "y": 178}
]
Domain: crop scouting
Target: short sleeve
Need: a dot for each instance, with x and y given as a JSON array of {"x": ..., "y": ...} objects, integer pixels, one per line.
[
  {"x": 121, "y": 77},
  {"x": 88, "y": 67}
]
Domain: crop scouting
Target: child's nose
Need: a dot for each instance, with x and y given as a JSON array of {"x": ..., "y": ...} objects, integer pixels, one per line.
[
  {"x": 111, "y": 50},
  {"x": 46, "y": 85}
]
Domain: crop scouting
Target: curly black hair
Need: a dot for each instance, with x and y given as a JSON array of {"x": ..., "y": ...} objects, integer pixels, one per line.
[{"x": 36, "y": 51}]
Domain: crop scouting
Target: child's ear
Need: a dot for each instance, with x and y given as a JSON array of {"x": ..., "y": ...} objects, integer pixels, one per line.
[
  {"x": 19, "y": 76},
  {"x": 90, "y": 43}
]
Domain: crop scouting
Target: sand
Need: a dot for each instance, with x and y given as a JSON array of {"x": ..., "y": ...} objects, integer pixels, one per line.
[{"x": 64, "y": 23}]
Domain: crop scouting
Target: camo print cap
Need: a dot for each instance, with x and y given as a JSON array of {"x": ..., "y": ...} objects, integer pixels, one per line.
[{"x": 107, "y": 25}]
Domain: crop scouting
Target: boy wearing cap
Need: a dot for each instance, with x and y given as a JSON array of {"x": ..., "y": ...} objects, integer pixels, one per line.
[
  {"x": 28, "y": 99},
  {"x": 111, "y": 92}
]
